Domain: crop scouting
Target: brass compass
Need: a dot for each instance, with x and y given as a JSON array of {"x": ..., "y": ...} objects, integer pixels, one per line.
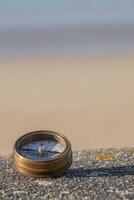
[{"x": 42, "y": 154}]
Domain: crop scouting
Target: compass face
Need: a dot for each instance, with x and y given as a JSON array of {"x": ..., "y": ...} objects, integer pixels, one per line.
[{"x": 42, "y": 149}]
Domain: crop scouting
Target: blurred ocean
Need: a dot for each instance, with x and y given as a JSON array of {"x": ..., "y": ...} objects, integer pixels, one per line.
[{"x": 66, "y": 26}]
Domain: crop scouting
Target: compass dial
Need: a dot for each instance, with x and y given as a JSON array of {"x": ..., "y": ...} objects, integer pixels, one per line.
[{"x": 42, "y": 149}]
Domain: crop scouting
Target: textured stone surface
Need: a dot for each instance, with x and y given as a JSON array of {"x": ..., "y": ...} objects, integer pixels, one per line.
[{"x": 99, "y": 174}]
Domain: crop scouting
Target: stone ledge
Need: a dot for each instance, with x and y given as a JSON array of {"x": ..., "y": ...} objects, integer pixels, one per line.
[{"x": 95, "y": 174}]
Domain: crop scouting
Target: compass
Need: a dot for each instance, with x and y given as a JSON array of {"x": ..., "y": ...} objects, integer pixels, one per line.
[{"x": 42, "y": 153}]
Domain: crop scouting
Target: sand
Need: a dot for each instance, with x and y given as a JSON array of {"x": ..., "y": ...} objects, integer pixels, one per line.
[{"x": 89, "y": 99}]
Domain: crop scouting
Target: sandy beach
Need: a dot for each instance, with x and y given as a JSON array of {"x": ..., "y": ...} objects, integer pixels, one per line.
[{"x": 89, "y": 99}]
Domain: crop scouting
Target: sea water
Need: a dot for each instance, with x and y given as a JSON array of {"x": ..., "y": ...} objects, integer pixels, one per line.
[{"x": 66, "y": 26}]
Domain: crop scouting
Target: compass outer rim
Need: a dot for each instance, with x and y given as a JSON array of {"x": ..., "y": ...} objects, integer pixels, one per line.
[
  {"x": 44, "y": 174},
  {"x": 54, "y": 133}
]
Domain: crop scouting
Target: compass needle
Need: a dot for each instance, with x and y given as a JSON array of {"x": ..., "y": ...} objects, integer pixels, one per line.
[
  {"x": 39, "y": 147},
  {"x": 23, "y": 149},
  {"x": 55, "y": 152}
]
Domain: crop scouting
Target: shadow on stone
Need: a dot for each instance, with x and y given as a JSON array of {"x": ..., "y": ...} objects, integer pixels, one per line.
[{"x": 100, "y": 172}]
